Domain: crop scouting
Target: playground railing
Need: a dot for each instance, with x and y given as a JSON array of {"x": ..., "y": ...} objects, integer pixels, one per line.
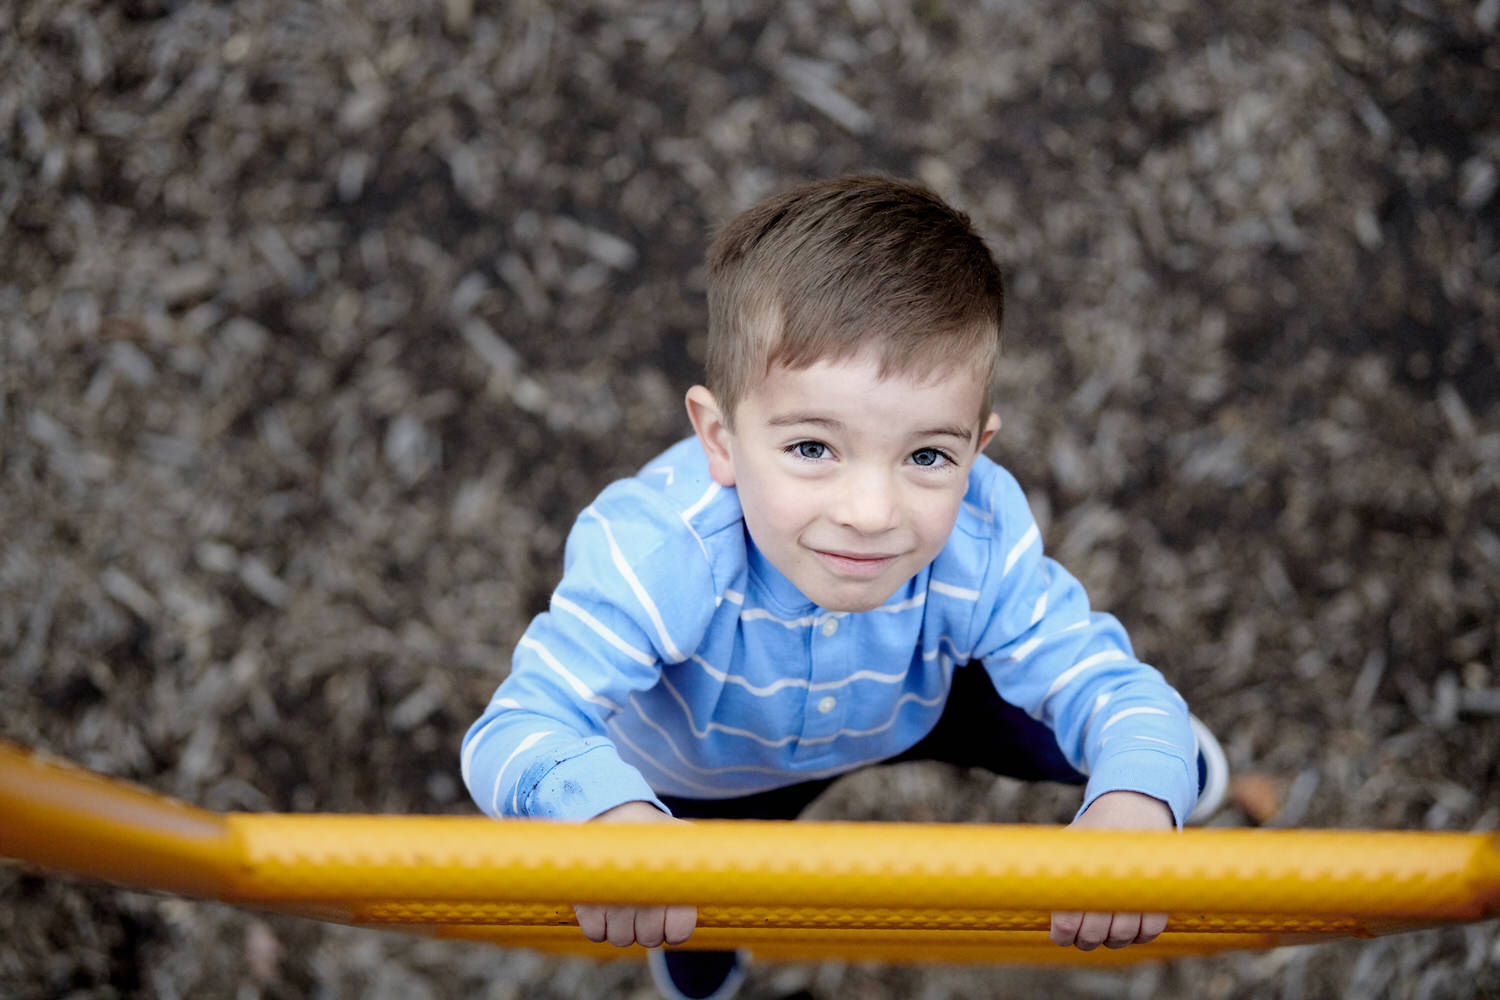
[{"x": 889, "y": 891}]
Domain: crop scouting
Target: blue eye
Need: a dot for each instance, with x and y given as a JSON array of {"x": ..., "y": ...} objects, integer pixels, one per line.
[
  {"x": 812, "y": 450},
  {"x": 928, "y": 457}
]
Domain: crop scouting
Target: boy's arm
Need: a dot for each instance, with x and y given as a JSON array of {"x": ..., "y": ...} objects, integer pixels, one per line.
[
  {"x": 1115, "y": 718},
  {"x": 519, "y": 762},
  {"x": 637, "y": 590}
]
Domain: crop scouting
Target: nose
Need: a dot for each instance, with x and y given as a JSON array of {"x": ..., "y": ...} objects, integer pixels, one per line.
[{"x": 868, "y": 503}]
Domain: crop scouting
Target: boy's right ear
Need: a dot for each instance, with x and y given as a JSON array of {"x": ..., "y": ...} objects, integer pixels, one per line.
[{"x": 713, "y": 433}]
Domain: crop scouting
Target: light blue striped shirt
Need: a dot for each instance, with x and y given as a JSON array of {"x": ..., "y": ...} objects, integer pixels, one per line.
[{"x": 674, "y": 659}]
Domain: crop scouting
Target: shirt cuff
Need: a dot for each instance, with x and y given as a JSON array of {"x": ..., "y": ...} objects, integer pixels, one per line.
[
  {"x": 584, "y": 786},
  {"x": 1160, "y": 775}
]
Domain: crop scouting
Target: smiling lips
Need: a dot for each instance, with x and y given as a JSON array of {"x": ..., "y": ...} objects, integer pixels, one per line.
[{"x": 855, "y": 565}]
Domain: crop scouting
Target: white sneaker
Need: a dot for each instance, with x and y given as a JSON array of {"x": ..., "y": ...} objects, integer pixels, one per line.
[{"x": 1215, "y": 772}]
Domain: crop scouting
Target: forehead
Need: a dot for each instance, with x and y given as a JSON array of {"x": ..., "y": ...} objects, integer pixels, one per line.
[{"x": 856, "y": 392}]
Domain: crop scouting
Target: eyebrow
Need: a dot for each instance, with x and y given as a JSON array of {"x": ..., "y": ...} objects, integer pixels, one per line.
[{"x": 793, "y": 419}]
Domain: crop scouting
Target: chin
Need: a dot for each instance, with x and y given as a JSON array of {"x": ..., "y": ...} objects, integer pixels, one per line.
[
  {"x": 854, "y": 603},
  {"x": 855, "y": 607}
]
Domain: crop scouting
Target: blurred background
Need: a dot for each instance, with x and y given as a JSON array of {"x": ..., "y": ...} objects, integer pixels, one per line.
[{"x": 322, "y": 320}]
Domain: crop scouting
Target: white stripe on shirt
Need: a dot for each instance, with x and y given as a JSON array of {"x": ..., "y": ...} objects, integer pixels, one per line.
[
  {"x": 910, "y": 696},
  {"x": 978, "y": 512},
  {"x": 619, "y": 735},
  {"x": 782, "y": 683},
  {"x": 468, "y": 755},
  {"x": 628, "y": 574},
  {"x": 1152, "y": 739},
  {"x": 958, "y": 654},
  {"x": 717, "y": 727},
  {"x": 1026, "y": 542},
  {"x": 692, "y": 512},
  {"x": 1127, "y": 713},
  {"x": 747, "y": 768},
  {"x": 697, "y": 538},
  {"x": 761, "y": 614},
  {"x": 906, "y": 605},
  {"x": 603, "y": 631},
  {"x": 962, "y": 593},
  {"x": 671, "y": 745},
  {"x": 579, "y": 688},
  {"x": 1099, "y": 704},
  {"x": 1064, "y": 678},
  {"x": 1040, "y": 610},
  {"x": 1028, "y": 647},
  {"x": 717, "y": 791},
  {"x": 526, "y": 744}
]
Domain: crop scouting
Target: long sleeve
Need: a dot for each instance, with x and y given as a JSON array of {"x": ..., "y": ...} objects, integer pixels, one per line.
[
  {"x": 1116, "y": 719},
  {"x": 637, "y": 591}
]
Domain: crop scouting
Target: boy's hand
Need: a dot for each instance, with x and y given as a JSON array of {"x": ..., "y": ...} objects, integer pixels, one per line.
[
  {"x": 650, "y": 926},
  {"x": 1087, "y": 931}
]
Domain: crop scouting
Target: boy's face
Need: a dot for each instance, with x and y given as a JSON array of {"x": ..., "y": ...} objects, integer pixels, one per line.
[{"x": 850, "y": 483}]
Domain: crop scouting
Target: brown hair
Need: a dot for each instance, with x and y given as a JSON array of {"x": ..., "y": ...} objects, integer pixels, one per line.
[{"x": 827, "y": 269}]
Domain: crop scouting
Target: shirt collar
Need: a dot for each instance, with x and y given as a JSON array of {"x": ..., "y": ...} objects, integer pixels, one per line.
[{"x": 772, "y": 583}]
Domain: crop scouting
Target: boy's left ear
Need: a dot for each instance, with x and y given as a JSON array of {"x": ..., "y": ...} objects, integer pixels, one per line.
[
  {"x": 991, "y": 425},
  {"x": 713, "y": 433}
]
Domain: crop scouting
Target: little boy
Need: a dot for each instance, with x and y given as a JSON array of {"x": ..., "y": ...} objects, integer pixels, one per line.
[{"x": 828, "y": 575}]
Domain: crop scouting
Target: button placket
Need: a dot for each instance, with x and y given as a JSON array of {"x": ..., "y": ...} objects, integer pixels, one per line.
[{"x": 824, "y": 715}]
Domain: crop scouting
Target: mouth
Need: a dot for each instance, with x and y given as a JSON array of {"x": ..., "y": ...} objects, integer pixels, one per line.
[{"x": 855, "y": 565}]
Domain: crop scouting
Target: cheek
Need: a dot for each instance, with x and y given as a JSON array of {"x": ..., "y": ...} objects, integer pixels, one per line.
[
  {"x": 783, "y": 511},
  {"x": 770, "y": 503},
  {"x": 783, "y": 505},
  {"x": 935, "y": 521}
]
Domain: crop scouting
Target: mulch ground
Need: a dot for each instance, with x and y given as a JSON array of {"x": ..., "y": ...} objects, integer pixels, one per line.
[{"x": 321, "y": 321}]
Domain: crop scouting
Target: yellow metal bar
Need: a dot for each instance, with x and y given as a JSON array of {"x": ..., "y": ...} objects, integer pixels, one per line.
[
  {"x": 888, "y": 891},
  {"x": 1409, "y": 876},
  {"x": 59, "y": 816}
]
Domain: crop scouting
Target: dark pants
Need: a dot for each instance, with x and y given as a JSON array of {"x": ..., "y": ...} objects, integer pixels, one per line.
[{"x": 977, "y": 729}]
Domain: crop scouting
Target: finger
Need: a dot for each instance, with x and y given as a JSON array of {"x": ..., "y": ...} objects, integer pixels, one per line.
[
  {"x": 590, "y": 921},
  {"x": 619, "y": 925},
  {"x": 1093, "y": 931},
  {"x": 1123, "y": 930},
  {"x": 1152, "y": 924},
  {"x": 1065, "y": 928},
  {"x": 650, "y": 925},
  {"x": 680, "y": 922}
]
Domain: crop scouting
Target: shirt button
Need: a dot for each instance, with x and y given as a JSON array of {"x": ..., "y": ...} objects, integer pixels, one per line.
[
  {"x": 826, "y": 705},
  {"x": 830, "y": 626}
]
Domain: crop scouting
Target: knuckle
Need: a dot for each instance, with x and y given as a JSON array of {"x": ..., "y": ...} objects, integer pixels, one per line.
[
  {"x": 649, "y": 933},
  {"x": 1065, "y": 928},
  {"x": 1123, "y": 930},
  {"x": 620, "y": 928},
  {"x": 590, "y": 922},
  {"x": 680, "y": 923},
  {"x": 1093, "y": 931}
]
